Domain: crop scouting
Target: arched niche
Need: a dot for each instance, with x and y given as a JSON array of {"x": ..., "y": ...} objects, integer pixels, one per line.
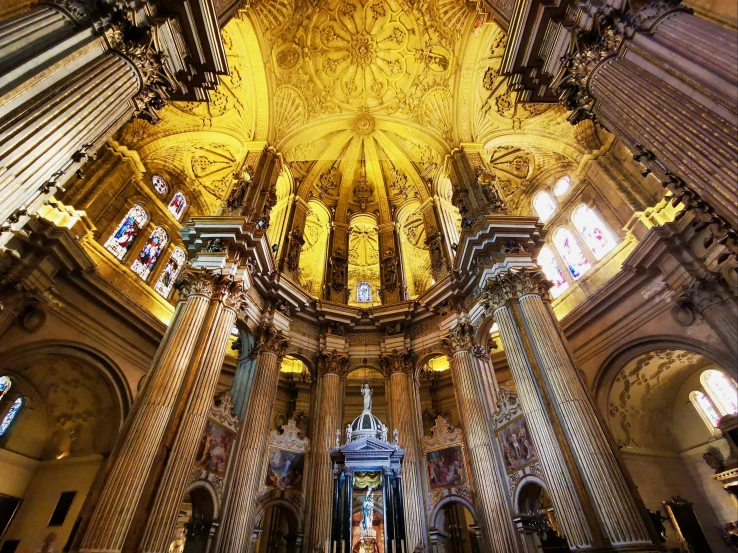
[
  {"x": 363, "y": 260},
  {"x": 353, "y": 401},
  {"x": 280, "y": 215},
  {"x": 294, "y": 392},
  {"x": 435, "y": 392},
  {"x": 279, "y": 528},
  {"x": 415, "y": 255},
  {"x": 314, "y": 251},
  {"x": 454, "y": 526},
  {"x": 197, "y": 512}
]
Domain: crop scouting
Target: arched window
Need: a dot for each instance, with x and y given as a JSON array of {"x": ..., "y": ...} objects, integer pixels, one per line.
[
  {"x": 363, "y": 292},
  {"x": 160, "y": 185},
  {"x": 722, "y": 391},
  {"x": 705, "y": 408},
  {"x": 561, "y": 186},
  {"x": 150, "y": 253},
  {"x": 10, "y": 416},
  {"x": 571, "y": 252},
  {"x": 170, "y": 272},
  {"x": 5, "y": 384},
  {"x": 551, "y": 269},
  {"x": 122, "y": 239},
  {"x": 545, "y": 205},
  {"x": 595, "y": 235},
  {"x": 177, "y": 205}
]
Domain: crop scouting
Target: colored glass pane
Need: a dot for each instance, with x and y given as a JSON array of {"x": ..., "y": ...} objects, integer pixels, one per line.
[
  {"x": 5, "y": 384},
  {"x": 596, "y": 236},
  {"x": 170, "y": 272},
  {"x": 571, "y": 252},
  {"x": 150, "y": 253},
  {"x": 722, "y": 391},
  {"x": 10, "y": 416},
  {"x": 178, "y": 205},
  {"x": 705, "y": 408},
  {"x": 547, "y": 261},
  {"x": 160, "y": 185},
  {"x": 545, "y": 205},
  {"x": 363, "y": 292},
  {"x": 562, "y": 186},
  {"x": 122, "y": 239}
]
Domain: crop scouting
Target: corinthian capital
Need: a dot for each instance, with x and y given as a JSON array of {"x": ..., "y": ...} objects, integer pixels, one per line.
[
  {"x": 513, "y": 285},
  {"x": 332, "y": 362},
  {"x": 399, "y": 361},
  {"x": 705, "y": 292},
  {"x": 459, "y": 339},
  {"x": 211, "y": 284},
  {"x": 270, "y": 340}
]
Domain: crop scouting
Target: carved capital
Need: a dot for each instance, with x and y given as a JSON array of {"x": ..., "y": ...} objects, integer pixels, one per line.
[
  {"x": 332, "y": 362},
  {"x": 513, "y": 285},
  {"x": 211, "y": 284},
  {"x": 399, "y": 361},
  {"x": 705, "y": 292},
  {"x": 480, "y": 353},
  {"x": 459, "y": 339},
  {"x": 267, "y": 339}
]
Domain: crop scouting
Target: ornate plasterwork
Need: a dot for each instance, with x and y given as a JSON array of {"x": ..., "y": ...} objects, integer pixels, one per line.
[
  {"x": 270, "y": 340},
  {"x": 460, "y": 338},
  {"x": 398, "y": 361},
  {"x": 289, "y": 438},
  {"x": 513, "y": 284},
  {"x": 444, "y": 435},
  {"x": 211, "y": 284},
  {"x": 332, "y": 362}
]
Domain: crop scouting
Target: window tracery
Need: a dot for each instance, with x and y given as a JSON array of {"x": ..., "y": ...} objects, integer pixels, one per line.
[
  {"x": 177, "y": 205},
  {"x": 722, "y": 391},
  {"x": 571, "y": 252},
  {"x": 593, "y": 230},
  {"x": 10, "y": 416},
  {"x": 171, "y": 270},
  {"x": 150, "y": 253},
  {"x": 160, "y": 185},
  {"x": 122, "y": 239},
  {"x": 705, "y": 408},
  {"x": 551, "y": 269},
  {"x": 545, "y": 205}
]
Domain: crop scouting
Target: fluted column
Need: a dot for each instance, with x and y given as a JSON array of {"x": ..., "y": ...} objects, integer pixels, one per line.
[
  {"x": 153, "y": 411},
  {"x": 496, "y": 516},
  {"x": 330, "y": 367},
  {"x": 205, "y": 369},
  {"x": 239, "y": 509},
  {"x": 488, "y": 387},
  {"x": 400, "y": 367},
  {"x": 536, "y": 345}
]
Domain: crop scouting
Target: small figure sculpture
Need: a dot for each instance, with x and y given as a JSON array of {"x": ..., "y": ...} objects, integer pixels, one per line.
[
  {"x": 383, "y": 433},
  {"x": 338, "y": 438},
  {"x": 367, "y": 513},
  {"x": 396, "y": 437},
  {"x": 366, "y": 391},
  {"x": 349, "y": 432}
]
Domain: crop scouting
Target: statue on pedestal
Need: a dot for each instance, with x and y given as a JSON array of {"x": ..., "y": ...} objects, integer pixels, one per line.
[
  {"x": 366, "y": 391},
  {"x": 367, "y": 514}
]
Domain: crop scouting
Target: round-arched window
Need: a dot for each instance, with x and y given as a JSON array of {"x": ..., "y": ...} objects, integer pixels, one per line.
[
  {"x": 5, "y": 385},
  {"x": 562, "y": 186},
  {"x": 545, "y": 205}
]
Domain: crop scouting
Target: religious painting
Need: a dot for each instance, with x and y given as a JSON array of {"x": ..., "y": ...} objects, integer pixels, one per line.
[
  {"x": 214, "y": 448},
  {"x": 517, "y": 447},
  {"x": 446, "y": 467},
  {"x": 285, "y": 469}
]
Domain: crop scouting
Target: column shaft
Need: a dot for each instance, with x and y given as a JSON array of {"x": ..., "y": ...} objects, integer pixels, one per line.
[
  {"x": 206, "y": 364},
  {"x": 238, "y": 517},
  {"x": 412, "y": 489},
  {"x": 619, "y": 515},
  {"x": 127, "y": 478},
  {"x": 322, "y": 481},
  {"x": 495, "y": 512}
]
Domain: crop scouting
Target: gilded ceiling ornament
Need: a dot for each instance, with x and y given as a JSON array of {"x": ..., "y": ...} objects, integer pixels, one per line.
[{"x": 363, "y": 123}]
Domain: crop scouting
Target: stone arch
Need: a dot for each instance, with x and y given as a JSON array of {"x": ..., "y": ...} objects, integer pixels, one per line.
[
  {"x": 525, "y": 481},
  {"x": 207, "y": 488},
  {"x": 289, "y": 507},
  {"x": 434, "y": 517}
]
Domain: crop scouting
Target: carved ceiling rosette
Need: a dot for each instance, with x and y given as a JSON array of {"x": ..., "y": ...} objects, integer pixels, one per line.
[
  {"x": 332, "y": 362},
  {"x": 513, "y": 284},
  {"x": 460, "y": 338},
  {"x": 399, "y": 361},
  {"x": 267, "y": 339}
]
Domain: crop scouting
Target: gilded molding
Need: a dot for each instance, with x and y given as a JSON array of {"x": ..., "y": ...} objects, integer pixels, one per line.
[
  {"x": 513, "y": 285},
  {"x": 399, "y": 361},
  {"x": 332, "y": 362},
  {"x": 460, "y": 338},
  {"x": 267, "y": 339}
]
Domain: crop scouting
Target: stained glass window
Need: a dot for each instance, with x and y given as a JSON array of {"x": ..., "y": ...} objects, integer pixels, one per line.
[
  {"x": 547, "y": 261},
  {"x": 178, "y": 205},
  {"x": 571, "y": 252},
  {"x": 545, "y": 205},
  {"x": 705, "y": 408},
  {"x": 150, "y": 253},
  {"x": 5, "y": 384},
  {"x": 722, "y": 391},
  {"x": 160, "y": 185},
  {"x": 122, "y": 239},
  {"x": 363, "y": 292},
  {"x": 562, "y": 186},
  {"x": 10, "y": 416},
  {"x": 170, "y": 272},
  {"x": 589, "y": 225}
]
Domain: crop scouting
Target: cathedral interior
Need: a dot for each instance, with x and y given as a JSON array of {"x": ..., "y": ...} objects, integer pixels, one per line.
[{"x": 368, "y": 276}]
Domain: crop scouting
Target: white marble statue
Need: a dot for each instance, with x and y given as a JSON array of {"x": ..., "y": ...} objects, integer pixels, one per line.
[
  {"x": 366, "y": 391},
  {"x": 396, "y": 437},
  {"x": 349, "y": 433},
  {"x": 338, "y": 438},
  {"x": 367, "y": 513},
  {"x": 383, "y": 433}
]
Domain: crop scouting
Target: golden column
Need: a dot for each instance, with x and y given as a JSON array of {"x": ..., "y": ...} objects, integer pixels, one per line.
[
  {"x": 592, "y": 499},
  {"x": 331, "y": 366},
  {"x": 489, "y": 484},
  {"x": 195, "y": 323},
  {"x": 203, "y": 378},
  {"x": 239, "y": 507},
  {"x": 399, "y": 365}
]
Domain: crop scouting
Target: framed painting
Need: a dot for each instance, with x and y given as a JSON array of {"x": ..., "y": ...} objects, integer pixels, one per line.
[
  {"x": 517, "y": 448},
  {"x": 285, "y": 469},
  {"x": 446, "y": 467},
  {"x": 214, "y": 448}
]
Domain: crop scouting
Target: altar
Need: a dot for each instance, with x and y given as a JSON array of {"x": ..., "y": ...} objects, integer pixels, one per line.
[{"x": 367, "y": 513}]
